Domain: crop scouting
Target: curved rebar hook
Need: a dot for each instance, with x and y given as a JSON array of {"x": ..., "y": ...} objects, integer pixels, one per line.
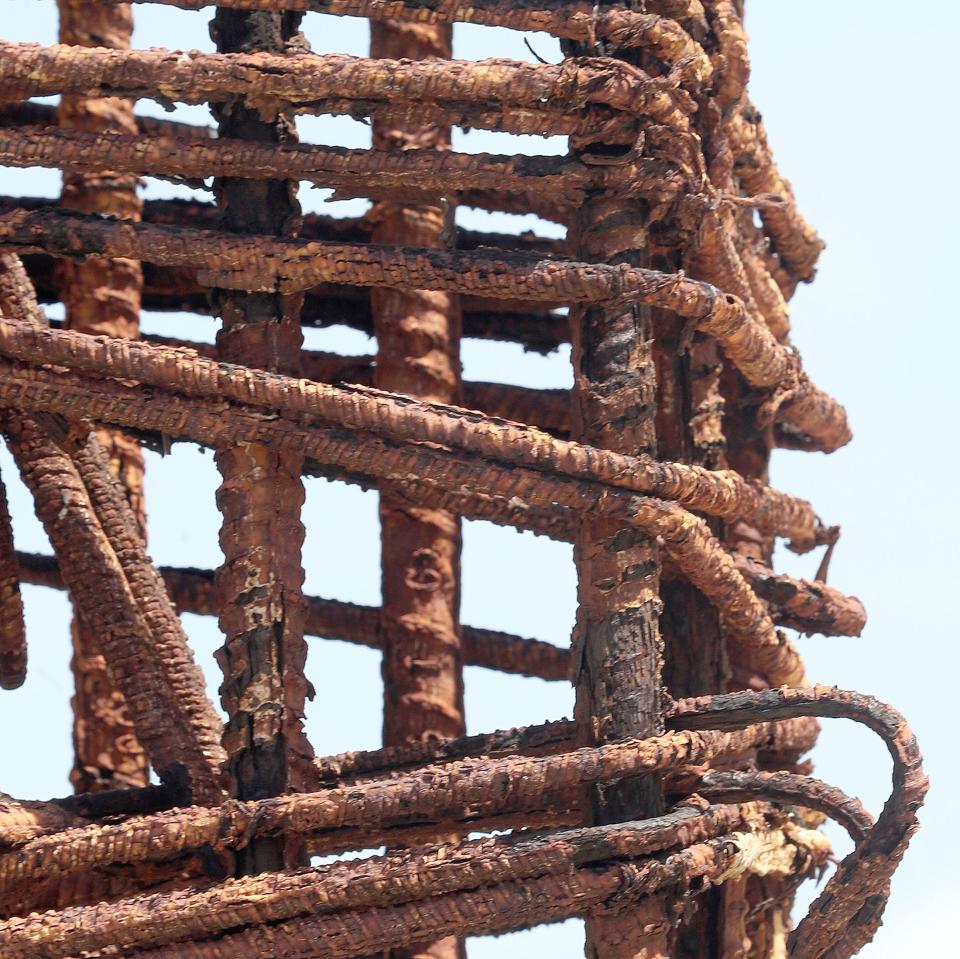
[{"x": 848, "y": 912}]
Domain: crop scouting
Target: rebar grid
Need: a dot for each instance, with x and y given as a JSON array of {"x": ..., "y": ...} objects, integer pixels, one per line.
[{"x": 674, "y": 813}]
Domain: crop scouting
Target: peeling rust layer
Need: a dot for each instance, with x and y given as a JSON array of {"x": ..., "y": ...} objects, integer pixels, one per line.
[
  {"x": 513, "y": 905},
  {"x": 418, "y": 352},
  {"x": 788, "y": 789},
  {"x": 192, "y": 591},
  {"x": 13, "y": 630},
  {"x": 155, "y": 673},
  {"x": 847, "y": 914},
  {"x": 546, "y": 185},
  {"x": 30, "y": 113},
  {"x": 538, "y": 328},
  {"x": 262, "y": 612},
  {"x": 616, "y": 648},
  {"x": 22, "y": 822},
  {"x": 573, "y": 20},
  {"x": 315, "y": 226},
  {"x": 684, "y": 246},
  {"x": 289, "y": 267}
]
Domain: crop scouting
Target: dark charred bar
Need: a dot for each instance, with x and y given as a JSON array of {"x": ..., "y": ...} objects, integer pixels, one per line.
[{"x": 263, "y": 611}]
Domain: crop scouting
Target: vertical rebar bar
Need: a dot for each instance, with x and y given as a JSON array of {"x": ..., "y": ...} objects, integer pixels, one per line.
[
  {"x": 418, "y": 353},
  {"x": 263, "y": 611},
  {"x": 102, "y": 296},
  {"x": 617, "y": 656}
]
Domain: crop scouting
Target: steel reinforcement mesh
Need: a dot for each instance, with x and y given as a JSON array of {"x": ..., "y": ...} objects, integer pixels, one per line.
[{"x": 674, "y": 812}]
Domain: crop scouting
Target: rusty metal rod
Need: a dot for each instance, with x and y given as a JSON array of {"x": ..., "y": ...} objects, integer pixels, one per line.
[
  {"x": 268, "y": 81},
  {"x": 292, "y": 266}
]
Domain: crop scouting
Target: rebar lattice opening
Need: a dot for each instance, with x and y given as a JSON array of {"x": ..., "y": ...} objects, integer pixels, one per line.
[{"x": 674, "y": 811}]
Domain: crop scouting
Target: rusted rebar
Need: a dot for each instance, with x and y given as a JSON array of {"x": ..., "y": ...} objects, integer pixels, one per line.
[
  {"x": 457, "y": 789},
  {"x": 155, "y": 673},
  {"x": 101, "y": 297},
  {"x": 720, "y": 493},
  {"x": 573, "y": 20},
  {"x": 13, "y": 629},
  {"x": 838, "y": 924},
  {"x": 507, "y": 906},
  {"x": 293, "y": 267},
  {"x": 262, "y": 613},
  {"x": 684, "y": 244},
  {"x": 165, "y": 918},
  {"x": 268, "y": 80},
  {"x": 685, "y": 537}
]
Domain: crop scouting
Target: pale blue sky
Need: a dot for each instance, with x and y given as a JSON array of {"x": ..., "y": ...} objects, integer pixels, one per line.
[{"x": 858, "y": 99}]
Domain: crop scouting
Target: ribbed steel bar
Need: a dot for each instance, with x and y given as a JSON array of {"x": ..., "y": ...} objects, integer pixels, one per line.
[
  {"x": 685, "y": 537},
  {"x": 290, "y": 266},
  {"x": 721, "y": 493},
  {"x": 267, "y": 81},
  {"x": 684, "y": 244},
  {"x": 193, "y": 591},
  {"x": 538, "y": 184},
  {"x": 382, "y": 881},
  {"x": 262, "y": 612},
  {"x": 153, "y": 668},
  {"x": 102, "y": 297},
  {"x": 512, "y": 905},
  {"x": 13, "y": 630},
  {"x": 570, "y": 19},
  {"x": 448, "y": 792}
]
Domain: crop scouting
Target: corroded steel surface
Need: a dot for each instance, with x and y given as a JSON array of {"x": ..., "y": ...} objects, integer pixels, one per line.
[{"x": 674, "y": 812}]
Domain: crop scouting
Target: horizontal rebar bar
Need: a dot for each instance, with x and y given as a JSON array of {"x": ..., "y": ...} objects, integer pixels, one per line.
[
  {"x": 263, "y": 263},
  {"x": 22, "y": 822},
  {"x": 379, "y": 881},
  {"x": 267, "y": 82},
  {"x": 455, "y": 790},
  {"x": 568, "y": 19},
  {"x": 686, "y": 538},
  {"x": 795, "y": 242},
  {"x": 315, "y": 226},
  {"x": 538, "y": 328},
  {"x": 717, "y": 492},
  {"x": 546, "y": 409},
  {"x": 514, "y": 905},
  {"x": 538, "y": 184},
  {"x": 30, "y": 113},
  {"x": 808, "y": 606},
  {"x": 193, "y": 591}
]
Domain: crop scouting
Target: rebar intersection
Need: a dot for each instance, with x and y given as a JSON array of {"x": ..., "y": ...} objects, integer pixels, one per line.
[{"x": 674, "y": 812}]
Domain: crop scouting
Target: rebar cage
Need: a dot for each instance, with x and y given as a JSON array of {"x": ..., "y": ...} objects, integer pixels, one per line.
[{"x": 674, "y": 812}]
